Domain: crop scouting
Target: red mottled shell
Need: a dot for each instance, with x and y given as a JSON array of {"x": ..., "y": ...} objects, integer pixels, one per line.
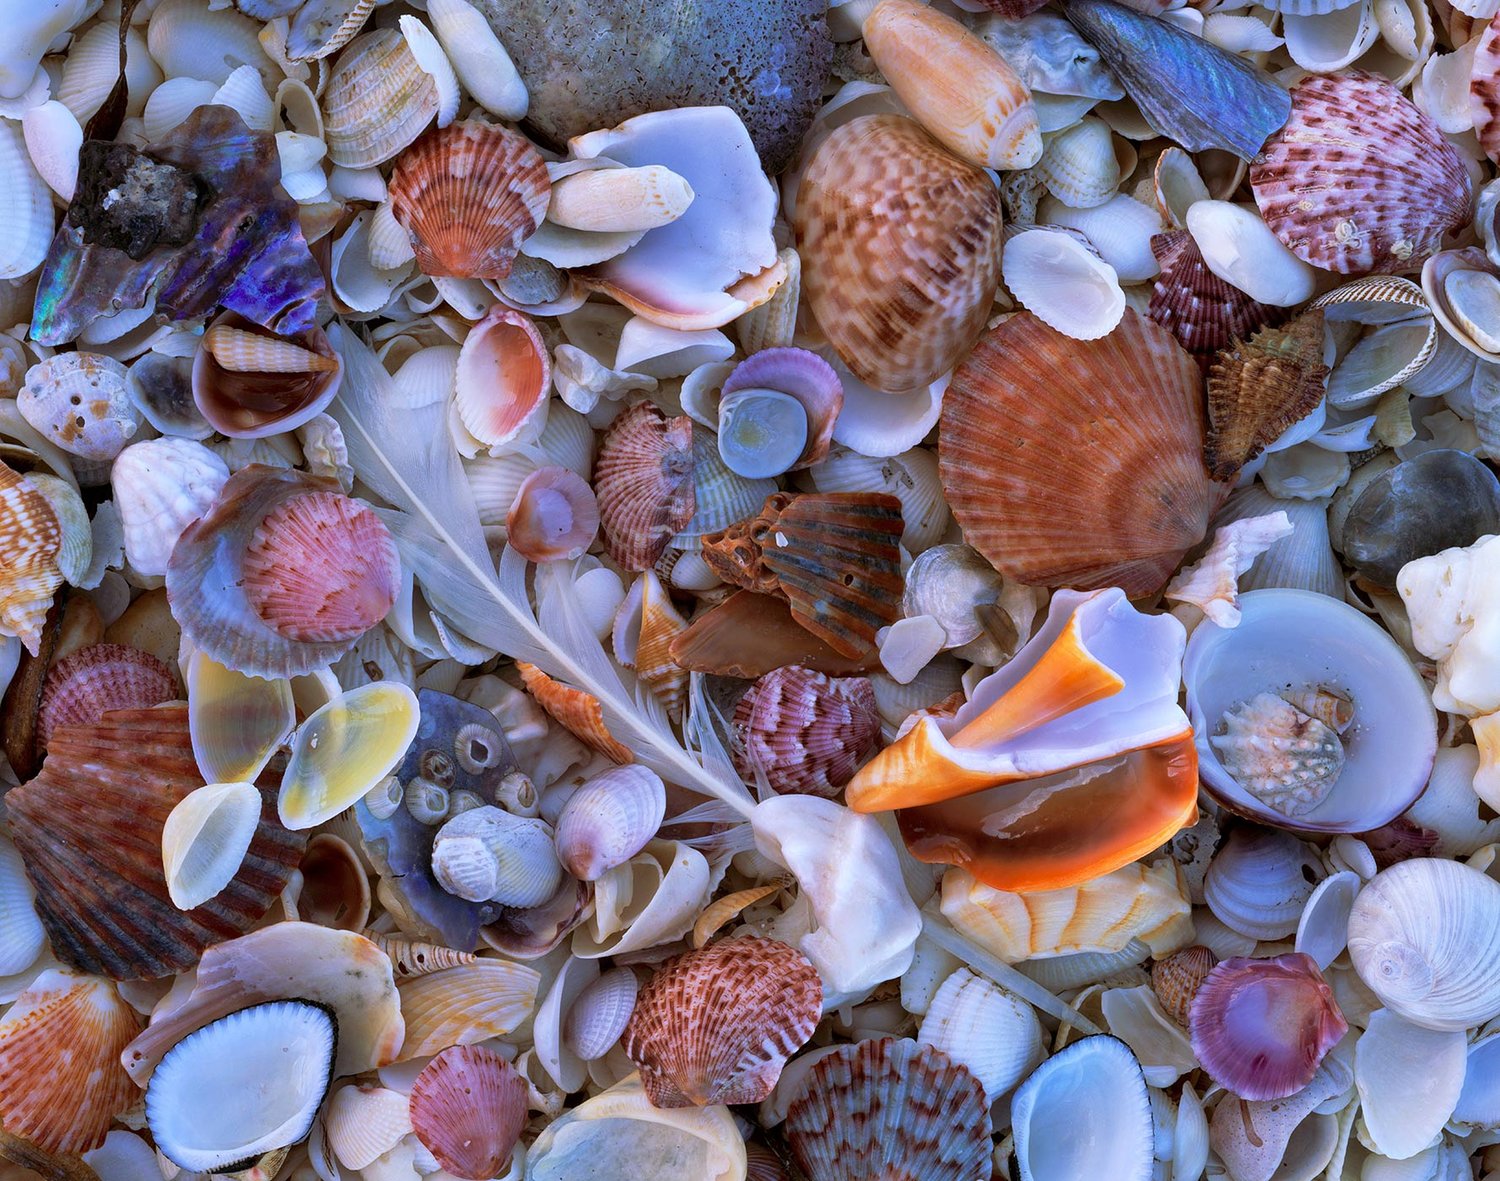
[
  {"x": 1484, "y": 89},
  {"x": 61, "y": 1080},
  {"x": 807, "y": 733},
  {"x": 1176, "y": 980},
  {"x": 717, "y": 1025},
  {"x": 468, "y": 1107},
  {"x": 81, "y": 688},
  {"x": 321, "y": 567},
  {"x": 1260, "y": 1027},
  {"x": 1360, "y": 179},
  {"x": 643, "y": 479},
  {"x": 1078, "y": 463},
  {"x": 469, "y": 195},
  {"x": 89, "y": 831},
  {"x": 890, "y": 1109},
  {"x": 1202, "y": 311}
]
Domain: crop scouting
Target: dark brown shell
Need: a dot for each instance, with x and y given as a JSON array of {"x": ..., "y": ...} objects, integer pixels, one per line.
[
  {"x": 834, "y": 556},
  {"x": 1078, "y": 463},
  {"x": 81, "y": 688},
  {"x": 1259, "y": 387},
  {"x": 748, "y": 635},
  {"x": 716, "y": 1025},
  {"x": 1202, "y": 311},
  {"x": 89, "y": 830},
  {"x": 643, "y": 480}
]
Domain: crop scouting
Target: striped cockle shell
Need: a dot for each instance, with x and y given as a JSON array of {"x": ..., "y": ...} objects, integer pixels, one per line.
[
  {"x": 1176, "y": 979},
  {"x": 1079, "y": 166},
  {"x": 609, "y": 819},
  {"x": 597, "y": 1018},
  {"x": 30, "y": 542},
  {"x": 716, "y": 1025},
  {"x": 981, "y": 1026},
  {"x": 464, "y": 1005},
  {"x": 468, "y": 1107},
  {"x": 643, "y": 478},
  {"x": 79, "y": 402},
  {"x": 805, "y": 732},
  {"x": 377, "y": 101},
  {"x": 82, "y": 687},
  {"x": 61, "y": 1082},
  {"x": 363, "y": 1123}
]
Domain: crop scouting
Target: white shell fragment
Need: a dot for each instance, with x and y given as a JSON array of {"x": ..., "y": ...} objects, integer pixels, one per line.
[{"x": 206, "y": 838}]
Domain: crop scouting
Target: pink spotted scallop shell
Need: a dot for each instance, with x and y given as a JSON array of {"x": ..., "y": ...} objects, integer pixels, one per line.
[
  {"x": 82, "y": 687},
  {"x": 1360, "y": 180},
  {"x": 805, "y": 732},
  {"x": 468, "y": 1107},
  {"x": 716, "y": 1025}
]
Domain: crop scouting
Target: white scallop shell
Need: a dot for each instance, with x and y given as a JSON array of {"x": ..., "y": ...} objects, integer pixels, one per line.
[
  {"x": 161, "y": 487},
  {"x": 172, "y": 102},
  {"x": 994, "y": 1034},
  {"x": 26, "y": 217},
  {"x": 244, "y": 91},
  {"x": 1258, "y": 883},
  {"x": 93, "y": 63},
  {"x": 1079, "y": 166},
  {"x": 205, "y": 839},
  {"x": 21, "y": 934},
  {"x": 29, "y": 30},
  {"x": 364, "y": 1123}
]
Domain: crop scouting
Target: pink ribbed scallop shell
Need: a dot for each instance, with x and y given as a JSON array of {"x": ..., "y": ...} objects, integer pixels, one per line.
[
  {"x": 643, "y": 479},
  {"x": 890, "y": 1108},
  {"x": 1260, "y": 1027},
  {"x": 468, "y": 1107},
  {"x": 1360, "y": 180},
  {"x": 83, "y": 687},
  {"x": 805, "y": 376},
  {"x": 1202, "y": 311},
  {"x": 806, "y": 732},
  {"x": 554, "y": 516},
  {"x": 717, "y": 1025},
  {"x": 321, "y": 567}
]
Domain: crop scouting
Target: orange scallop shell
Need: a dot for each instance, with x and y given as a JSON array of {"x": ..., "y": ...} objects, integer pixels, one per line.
[{"x": 1078, "y": 463}]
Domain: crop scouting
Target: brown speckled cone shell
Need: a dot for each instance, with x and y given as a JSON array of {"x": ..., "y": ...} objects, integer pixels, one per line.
[
  {"x": 1078, "y": 463},
  {"x": 468, "y": 1107},
  {"x": 807, "y": 733},
  {"x": 890, "y": 1109},
  {"x": 900, "y": 245},
  {"x": 61, "y": 1081},
  {"x": 643, "y": 479},
  {"x": 834, "y": 556},
  {"x": 1359, "y": 179},
  {"x": 82, "y": 687},
  {"x": 89, "y": 830},
  {"x": 1202, "y": 311},
  {"x": 717, "y": 1025},
  {"x": 1176, "y": 979},
  {"x": 1484, "y": 89},
  {"x": 577, "y": 711},
  {"x": 469, "y": 195},
  {"x": 1261, "y": 386}
]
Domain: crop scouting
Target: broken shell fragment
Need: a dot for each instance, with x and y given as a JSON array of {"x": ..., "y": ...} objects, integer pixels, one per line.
[{"x": 79, "y": 402}]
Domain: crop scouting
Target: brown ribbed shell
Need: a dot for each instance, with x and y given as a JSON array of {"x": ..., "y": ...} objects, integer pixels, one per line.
[
  {"x": 469, "y": 194},
  {"x": 1078, "y": 463},
  {"x": 643, "y": 480},
  {"x": 1176, "y": 980},
  {"x": 1360, "y": 179},
  {"x": 82, "y": 687},
  {"x": 1202, "y": 311},
  {"x": 716, "y": 1025},
  {"x": 900, "y": 246},
  {"x": 89, "y": 829}
]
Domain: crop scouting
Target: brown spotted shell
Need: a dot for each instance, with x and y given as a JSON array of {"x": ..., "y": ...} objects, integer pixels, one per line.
[
  {"x": 805, "y": 732},
  {"x": 82, "y": 687},
  {"x": 1176, "y": 979},
  {"x": 716, "y": 1025},
  {"x": 643, "y": 480},
  {"x": 900, "y": 246}
]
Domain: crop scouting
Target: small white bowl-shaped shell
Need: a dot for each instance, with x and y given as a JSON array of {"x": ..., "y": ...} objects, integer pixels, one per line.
[
  {"x": 1120, "y": 230},
  {"x": 1424, "y": 936},
  {"x": 479, "y": 58},
  {"x": 26, "y": 217},
  {"x": 172, "y": 102},
  {"x": 244, "y": 92},
  {"x": 237, "y": 722},
  {"x": 1240, "y": 248},
  {"x": 994, "y": 1034},
  {"x": 1259, "y": 881},
  {"x": 80, "y": 402},
  {"x": 609, "y": 819},
  {"x": 53, "y": 138},
  {"x": 1064, "y": 283},
  {"x": 161, "y": 487},
  {"x": 488, "y": 855},
  {"x": 1329, "y": 41},
  {"x": 880, "y": 424},
  {"x": 205, "y": 840},
  {"x": 363, "y": 1123},
  {"x": 344, "y": 749},
  {"x": 1079, "y": 166},
  {"x": 1401, "y": 1119},
  {"x": 554, "y": 516},
  {"x": 595, "y": 1021}
]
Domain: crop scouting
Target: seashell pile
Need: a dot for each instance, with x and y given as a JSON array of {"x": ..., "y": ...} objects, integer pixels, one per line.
[{"x": 809, "y": 590}]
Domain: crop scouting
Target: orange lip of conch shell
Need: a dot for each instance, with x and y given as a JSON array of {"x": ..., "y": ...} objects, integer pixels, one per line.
[{"x": 1093, "y": 694}]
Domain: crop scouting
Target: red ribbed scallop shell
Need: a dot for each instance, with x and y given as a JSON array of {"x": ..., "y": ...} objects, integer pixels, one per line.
[
  {"x": 61, "y": 1080},
  {"x": 321, "y": 567},
  {"x": 1202, "y": 311},
  {"x": 89, "y": 830},
  {"x": 81, "y": 688},
  {"x": 1360, "y": 179},
  {"x": 893, "y": 1109},
  {"x": 807, "y": 733},
  {"x": 643, "y": 479},
  {"x": 469, "y": 195},
  {"x": 1078, "y": 463},
  {"x": 717, "y": 1025},
  {"x": 468, "y": 1107}
]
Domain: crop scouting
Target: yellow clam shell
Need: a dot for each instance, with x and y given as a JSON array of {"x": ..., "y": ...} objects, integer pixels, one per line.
[
  {"x": 345, "y": 749},
  {"x": 237, "y": 722}
]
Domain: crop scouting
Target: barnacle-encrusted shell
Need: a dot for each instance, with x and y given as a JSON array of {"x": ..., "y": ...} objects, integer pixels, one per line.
[
  {"x": 716, "y": 1025},
  {"x": 79, "y": 402},
  {"x": 643, "y": 479},
  {"x": 1282, "y": 756},
  {"x": 806, "y": 732}
]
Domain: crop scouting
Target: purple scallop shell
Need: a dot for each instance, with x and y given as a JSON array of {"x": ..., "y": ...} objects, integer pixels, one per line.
[
  {"x": 802, "y": 375},
  {"x": 805, "y": 732}
]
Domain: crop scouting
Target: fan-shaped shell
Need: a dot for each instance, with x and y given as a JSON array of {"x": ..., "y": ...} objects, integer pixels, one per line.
[
  {"x": 109, "y": 788},
  {"x": 30, "y": 541},
  {"x": 900, "y": 249},
  {"x": 252, "y": 383},
  {"x": 889, "y": 1108},
  {"x": 1177, "y": 978},
  {"x": 377, "y": 101},
  {"x": 643, "y": 478},
  {"x": 804, "y": 731},
  {"x": 82, "y": 687},
  {"x": 1360, "y": 179},
  {"x": 464, "y": 1005},
  {"x": 469, "y": 195},
  {"x": 716, "y": 1025},
  {"x": 978, "y": 1024},
  {"x": 363, "y": 1123},
  {"x": 61, "y": 1082},
  {"x": 468, "y": 1107},
  {"x": 1200, "y": 309},
  {"x": 1058, "y": 495}
]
